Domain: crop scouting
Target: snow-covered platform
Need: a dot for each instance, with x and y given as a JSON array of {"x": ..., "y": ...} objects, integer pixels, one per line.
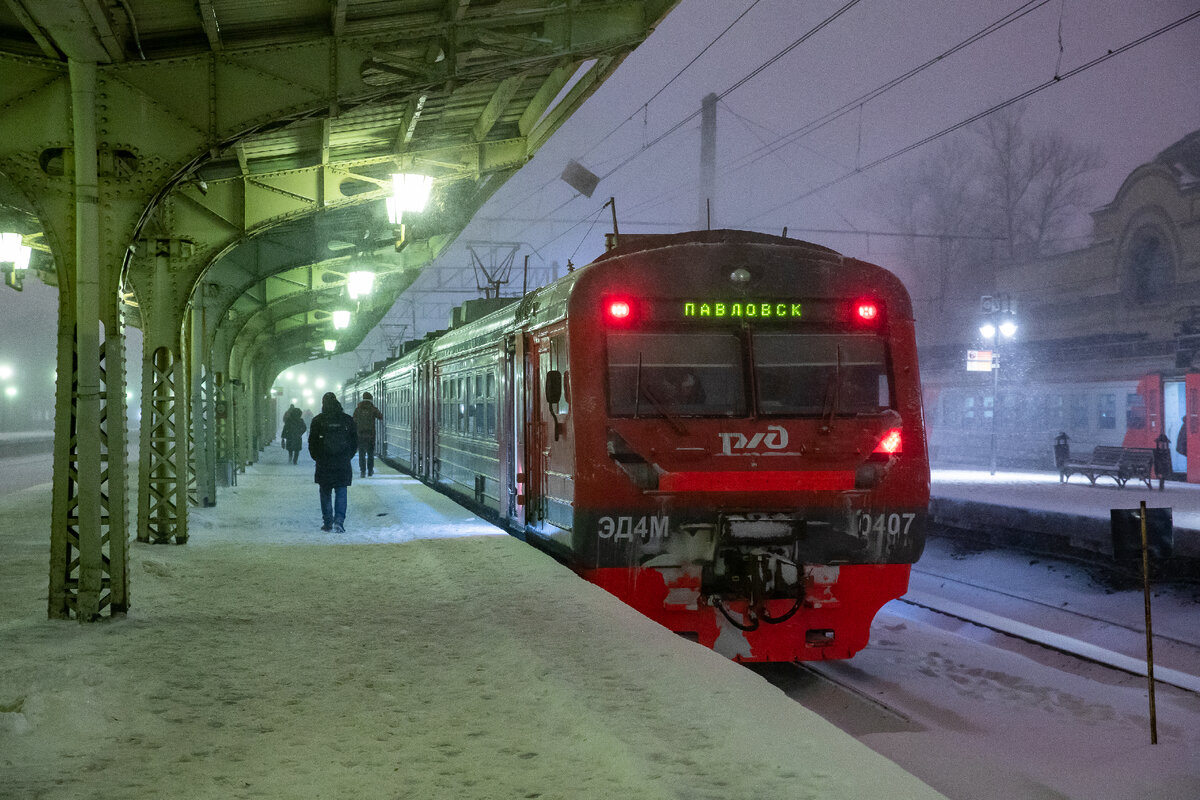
[
  {"x": 1036, "y": 509},
  {"x": 419, "y": 655}
]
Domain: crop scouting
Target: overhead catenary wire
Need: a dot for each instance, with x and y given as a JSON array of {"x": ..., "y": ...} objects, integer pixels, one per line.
[
  {"x": 1057, "y": 79},
  {"x": 1012, "y": 16},
  {"x": 645, "y": 105},
  {"x": 859, "y": 102}
]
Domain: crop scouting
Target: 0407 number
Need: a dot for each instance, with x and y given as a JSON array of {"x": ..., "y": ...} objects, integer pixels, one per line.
[{"x": 884, "y": 524}]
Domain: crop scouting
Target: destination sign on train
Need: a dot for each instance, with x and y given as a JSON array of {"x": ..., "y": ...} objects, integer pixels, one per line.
[{"x": 764, "y": 309}]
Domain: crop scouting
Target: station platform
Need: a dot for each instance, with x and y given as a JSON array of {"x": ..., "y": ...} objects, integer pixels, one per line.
[
  {"x": 422, "y": 654},
  {"x": 1036, "y": 510}
]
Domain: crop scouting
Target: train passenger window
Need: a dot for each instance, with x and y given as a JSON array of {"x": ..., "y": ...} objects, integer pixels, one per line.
[
  {"x": 491, "y": 404},
  {"x": 1106, "y": 408},
  {"x": 480, "y": 423},
  {"x": 675, "y": 374},
  {"x": 798, "y": 373},
  {"x": 1079, "y": 412},
  {"x": 1135, "y": 412}
]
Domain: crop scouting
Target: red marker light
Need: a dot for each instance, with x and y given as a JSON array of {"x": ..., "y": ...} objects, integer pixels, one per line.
[
  {"x": 889, "y": 445},
  {"x": 867, "y": 311},
  {"x": 619, "y": 310}
]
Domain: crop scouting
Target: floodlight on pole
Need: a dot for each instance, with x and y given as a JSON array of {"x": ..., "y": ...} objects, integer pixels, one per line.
[
  {"x": 341, "y": 319},
  {"x": 359, "y": 283}
]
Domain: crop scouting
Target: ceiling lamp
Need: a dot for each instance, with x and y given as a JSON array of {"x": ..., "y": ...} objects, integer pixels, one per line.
[
  {"x": 359, "y": 283},
  {"x": 410, "y": 192},
  {"x": 330, "y": 345},
  {"x": 341, "y": 319}
]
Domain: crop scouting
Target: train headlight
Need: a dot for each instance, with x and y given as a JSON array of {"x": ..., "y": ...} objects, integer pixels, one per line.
[{"x": 890, "y": 444}]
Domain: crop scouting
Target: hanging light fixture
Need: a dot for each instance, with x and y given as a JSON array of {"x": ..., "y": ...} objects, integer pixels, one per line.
[
  {"x": 410, "y": 192},
  {"x": 341, "y": 319},
  {"x": 14, "y": 251},
  {"x": 359, "y": 283},
  {"x": 330, "y": 345}
]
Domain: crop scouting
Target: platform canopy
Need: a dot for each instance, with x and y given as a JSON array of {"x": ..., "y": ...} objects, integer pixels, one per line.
[{"x": 252, "y": 143}]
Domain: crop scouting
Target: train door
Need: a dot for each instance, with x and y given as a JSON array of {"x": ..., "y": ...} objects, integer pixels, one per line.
[
  {"x": 554, "y": 425},
  {"x": 513, "y": 429},
  {"x": 534, "y": 438},
  {"x": 423, "y": 432},
  {"x": 1174, "y": 408},
  {"x": 1192, "y": 415}
]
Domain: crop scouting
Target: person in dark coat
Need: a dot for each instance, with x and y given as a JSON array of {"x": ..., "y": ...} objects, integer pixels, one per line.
[
  {"x": 293, "y": 432},
  {"x": 332, "y": 442},
  {"x": 365, "y": 415}
]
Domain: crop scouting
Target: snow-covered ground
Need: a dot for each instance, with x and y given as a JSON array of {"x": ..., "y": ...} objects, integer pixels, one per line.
[
  {"x": 420, "y": 655},
  {"x": 423, "y": 655},
  {"x": 1042, "y": 491}
]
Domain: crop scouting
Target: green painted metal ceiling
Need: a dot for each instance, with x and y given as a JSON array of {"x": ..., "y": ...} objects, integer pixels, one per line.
[{"x": 276, "y": 208}]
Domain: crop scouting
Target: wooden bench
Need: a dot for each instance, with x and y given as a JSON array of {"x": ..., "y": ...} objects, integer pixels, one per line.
[{"x": 1122, "y": 464}]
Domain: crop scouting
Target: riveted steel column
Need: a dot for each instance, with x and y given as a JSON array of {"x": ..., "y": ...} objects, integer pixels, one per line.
[
  {"x": 87, "y": 341},
  {"x": 222, "y": 412},
  {"x": 163, "y": 467},
  {"x": 205, "y": 486}
]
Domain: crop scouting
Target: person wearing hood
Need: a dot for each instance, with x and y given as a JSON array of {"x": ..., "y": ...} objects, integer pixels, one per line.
[
  {"x": 332, "y": 443},
  {"x": 365, "y": 415},
  {"x": 293, "y": 432}
]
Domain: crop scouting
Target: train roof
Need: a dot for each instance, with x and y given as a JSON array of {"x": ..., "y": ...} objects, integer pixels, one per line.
[{"x": 638, "y": 242}]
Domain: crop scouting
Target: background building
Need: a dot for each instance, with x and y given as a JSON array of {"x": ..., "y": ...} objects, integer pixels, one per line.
[{"x": 1108, "y": 342}]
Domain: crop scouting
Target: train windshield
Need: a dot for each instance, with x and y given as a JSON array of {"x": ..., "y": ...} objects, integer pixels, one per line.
[
  {"x": 675, "y": 374},
  {"x": 696, "y": 374},
  {"x": 806, "y": 373}
]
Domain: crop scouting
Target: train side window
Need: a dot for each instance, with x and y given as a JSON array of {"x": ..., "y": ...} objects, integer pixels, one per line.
[
  {"x": 952, "y": 409},
  {"x": 1135, "y": 412},
  {"x": 559, "y": 360},
  {"x": 462, "y": 405},
  {"x": 480, "y": 423},
  {"x": 491, "y": 403},
  {"x": 1106, "y": 411},
  {"x": 1079, "y": 412}
]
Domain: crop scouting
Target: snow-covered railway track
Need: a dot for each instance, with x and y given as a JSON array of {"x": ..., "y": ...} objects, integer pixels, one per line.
[
  {"x": 1058, "y": 642},
  {"x": 1140, "y": 631}
]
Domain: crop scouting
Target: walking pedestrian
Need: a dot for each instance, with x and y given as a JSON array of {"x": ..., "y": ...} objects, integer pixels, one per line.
[
  {"x": 364, "y": 419},
  {"x": 331, "y": 443},
  {"x": 293, "y": 432}
]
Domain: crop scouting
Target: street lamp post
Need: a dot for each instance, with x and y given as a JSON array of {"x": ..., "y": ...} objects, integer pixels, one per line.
[{"x": 999, "y": 327}]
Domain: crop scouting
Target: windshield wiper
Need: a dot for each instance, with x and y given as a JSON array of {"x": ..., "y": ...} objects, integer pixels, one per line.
[{"x": 833, "y": 394}]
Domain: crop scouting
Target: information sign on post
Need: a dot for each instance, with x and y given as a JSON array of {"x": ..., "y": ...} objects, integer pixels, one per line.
[{"x": 979, "y": 361}]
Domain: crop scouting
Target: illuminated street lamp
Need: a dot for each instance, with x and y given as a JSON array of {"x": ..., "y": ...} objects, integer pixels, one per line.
[
  {"x": 341, "y": 319},
  {"x": 330, "y": 345},
  {"x": 990, "y": 332},
  {"x": 6, "y": 372}
]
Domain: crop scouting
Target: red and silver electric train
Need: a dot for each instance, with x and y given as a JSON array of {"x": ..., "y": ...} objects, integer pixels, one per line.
[{"x": 721, "y": 428}]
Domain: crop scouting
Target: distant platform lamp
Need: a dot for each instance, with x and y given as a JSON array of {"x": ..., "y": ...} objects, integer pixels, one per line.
[{"x": 999, "y": 327}]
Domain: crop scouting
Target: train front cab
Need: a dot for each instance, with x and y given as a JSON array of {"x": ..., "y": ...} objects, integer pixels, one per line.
[{"x": 769, "y": 524}]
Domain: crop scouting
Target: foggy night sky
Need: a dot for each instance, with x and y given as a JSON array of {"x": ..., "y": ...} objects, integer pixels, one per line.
[{"x": 1130, "y": 107}]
